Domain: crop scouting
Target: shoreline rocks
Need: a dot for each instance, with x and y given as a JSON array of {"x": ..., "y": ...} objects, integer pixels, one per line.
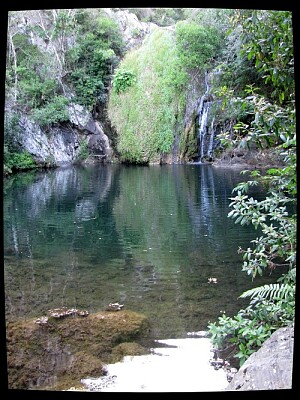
[{"x": 271, "y": 367}]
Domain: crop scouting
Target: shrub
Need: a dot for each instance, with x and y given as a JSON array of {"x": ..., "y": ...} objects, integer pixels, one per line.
[
  {"x": 123, "y": 79},
  {"x": 53, "y": 112},
  {"x": 19, "y": 161}
]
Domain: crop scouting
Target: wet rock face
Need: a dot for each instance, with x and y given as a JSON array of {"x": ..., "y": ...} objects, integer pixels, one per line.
[{"x": 271, "y": 367}]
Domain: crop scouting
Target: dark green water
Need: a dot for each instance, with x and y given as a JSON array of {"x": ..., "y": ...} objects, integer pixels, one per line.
[{"x": 146, "y": 237}]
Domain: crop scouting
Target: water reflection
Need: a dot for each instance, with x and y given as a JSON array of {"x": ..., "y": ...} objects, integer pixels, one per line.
[{"x": 147, "y": 237}]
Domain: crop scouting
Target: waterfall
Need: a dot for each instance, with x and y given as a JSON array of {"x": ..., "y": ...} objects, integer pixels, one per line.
[
  {"x": 205, "y": 135},
  {"x": 211, "y": 140},
  {"x": 203, "y": 128}
]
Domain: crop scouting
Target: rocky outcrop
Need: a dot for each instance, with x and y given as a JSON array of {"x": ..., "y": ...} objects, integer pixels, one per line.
[
  {"x": 64, "y": 143},
  {"x": 133, "y": 30},
  {"x": 271, "y": 367},
  {"x": 84, "y": 133}
]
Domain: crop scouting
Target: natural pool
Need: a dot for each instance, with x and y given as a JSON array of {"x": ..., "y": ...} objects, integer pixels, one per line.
[{"x": 148, "y": 237}]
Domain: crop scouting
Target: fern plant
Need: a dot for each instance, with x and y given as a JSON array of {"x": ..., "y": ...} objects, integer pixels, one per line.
[
  {"x": 271, "y": 307},
  {"x": 271, "y": 123},
  {"x": 273, "y": 291}
]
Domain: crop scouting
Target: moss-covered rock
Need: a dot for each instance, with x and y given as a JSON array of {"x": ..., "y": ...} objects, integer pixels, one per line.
[{"x": 56, "y": 355}]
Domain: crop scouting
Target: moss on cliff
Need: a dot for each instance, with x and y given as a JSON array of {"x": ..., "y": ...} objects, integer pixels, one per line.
[{"x": 147, "y": 109}]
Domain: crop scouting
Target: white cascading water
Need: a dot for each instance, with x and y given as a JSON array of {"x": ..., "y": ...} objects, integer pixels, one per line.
[{"x": 202, "y": 114}]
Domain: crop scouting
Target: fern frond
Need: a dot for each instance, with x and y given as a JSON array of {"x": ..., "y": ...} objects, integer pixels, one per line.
[{"x": 272, "y": 291}]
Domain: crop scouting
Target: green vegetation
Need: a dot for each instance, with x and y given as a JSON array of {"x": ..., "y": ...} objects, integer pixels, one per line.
[
  {"x": 50, "y": 52},
  {"x": 29, "y": 73},
  {"x": 144, "y": 103},
  {"x": 83, "y": 151},
  {"x": 17, "y": 161},
  {"x": 196, "y": 44},
  {"x": 123, "y": 79},
  {"x": 53, "y": 112},
  {"x": 271, "y": 306},
  {"x": 90, "y": 62},
  {"x": 271, "y": 123},
  {"x": 150, "y": 86}
]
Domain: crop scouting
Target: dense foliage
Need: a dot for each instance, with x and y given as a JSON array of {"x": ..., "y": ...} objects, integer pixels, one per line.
[
  {"x": 196, "y": 45},
  {"x": 53, "y": 56},
  {"x": 91, "y": 60},
  {"x": 148, "y": 99},
  {"x": 271, "y": 123},
  {"x": 144, "y": 100}
]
